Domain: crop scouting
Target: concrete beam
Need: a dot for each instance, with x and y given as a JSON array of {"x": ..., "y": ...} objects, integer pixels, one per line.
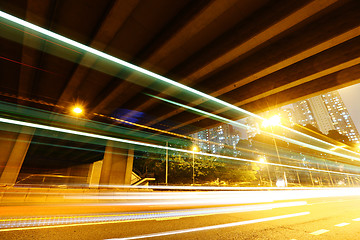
[
  {"x": 331, "y": 82},
  {"x": 336, "y": 59},
  {"x": 115, "y": 19},
  {"x": 275, "y": 64},
  {"x": 37, "y": 14},
  {"x": 249, "y": 44},
  {"x": 192, "y": 27}
]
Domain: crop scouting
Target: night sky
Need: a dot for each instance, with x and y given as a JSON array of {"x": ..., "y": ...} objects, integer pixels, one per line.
[{"x": 351, "y": 97}]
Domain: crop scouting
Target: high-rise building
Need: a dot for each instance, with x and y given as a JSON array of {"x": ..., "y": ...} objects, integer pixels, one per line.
[
  {"x": 303, "y": 113},
  {"x": 326, "y": 112},
  {"x": 215, "y": 139},
  {"x": 340, "y": 117},
  {"x": 313, "y": 111}
]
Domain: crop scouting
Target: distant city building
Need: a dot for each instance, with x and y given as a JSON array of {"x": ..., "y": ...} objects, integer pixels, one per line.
[
  {"x": 215, "y": 139},
  {"x": 340, "y": 116},
  {"x": 313, "y": 111},
  {"x": 326, "y": 112},
  {"x": 303, "y": 113}
]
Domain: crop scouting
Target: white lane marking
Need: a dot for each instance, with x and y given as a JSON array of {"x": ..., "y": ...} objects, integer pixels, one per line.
[
  {"x": 342, "y": 224},
  {"x": 167, "y": 218},
  {"x": 356, "y": 219},
  {"x": 212, "y": 227},
  {"x": 318, "y": 232}
]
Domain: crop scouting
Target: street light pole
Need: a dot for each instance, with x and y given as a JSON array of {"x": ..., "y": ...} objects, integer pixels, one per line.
[
  {"x": 167, "y": 163},
  {"x": 263, "y": 161},
  {"x": 193, "y": 164},
  {"x": 274, "y": 121},
  {"x": 193, "y": 168}
]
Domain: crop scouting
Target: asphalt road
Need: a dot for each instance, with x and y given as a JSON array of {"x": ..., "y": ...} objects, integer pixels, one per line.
[{"x": 320, "y": 218}]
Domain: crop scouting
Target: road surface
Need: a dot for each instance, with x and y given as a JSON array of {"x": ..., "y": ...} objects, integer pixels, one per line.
[{"x": 316, "y": 218}]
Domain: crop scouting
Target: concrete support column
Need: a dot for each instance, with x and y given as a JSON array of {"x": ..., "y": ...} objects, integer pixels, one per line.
[
  {"x": 117, "y": 165},
  {"x": 95, "y": 173},
  {"x": 13, "y": 151},
  {"x": 78, "y": 174}
]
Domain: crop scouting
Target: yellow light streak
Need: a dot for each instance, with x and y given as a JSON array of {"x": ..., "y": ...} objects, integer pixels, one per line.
[
  {"x": 226, "y": 225},
  {"x": 92, "y": 135},
  {"x": 337, "y": 147},
  {"x": 161, "y": 215},
  {"x": 234, "y": 123}
]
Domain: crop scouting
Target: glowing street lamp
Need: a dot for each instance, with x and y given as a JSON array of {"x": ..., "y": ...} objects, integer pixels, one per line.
[
  {"x": 273, "y": 121},
  {"x": 194, "y": 149},
  {"x": 262, "y": 160},
  {"x": 77, "y": 110}
]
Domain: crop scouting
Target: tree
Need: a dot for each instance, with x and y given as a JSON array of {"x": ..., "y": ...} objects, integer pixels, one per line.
[
  {"x": 337, "y": 136},
  {"x": 206, "y": 168}
]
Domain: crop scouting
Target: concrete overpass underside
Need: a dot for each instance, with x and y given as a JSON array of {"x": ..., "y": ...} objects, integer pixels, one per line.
[{"x": 255, "y": 54}]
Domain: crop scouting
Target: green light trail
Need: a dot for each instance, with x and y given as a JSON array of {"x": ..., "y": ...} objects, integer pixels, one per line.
[
  {"x": 92, "y": 135},
  {"x": 242, "y": 125},
  {"x": 146, "y": 72}
]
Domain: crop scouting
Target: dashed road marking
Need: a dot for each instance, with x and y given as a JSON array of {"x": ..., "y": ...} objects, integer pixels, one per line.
[
  {"x": 318, "y": 232},
  {"x": 166, "y": 218},
  {"x": 341, "y": 224}
]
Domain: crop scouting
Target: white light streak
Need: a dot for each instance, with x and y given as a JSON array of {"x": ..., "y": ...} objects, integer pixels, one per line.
[
  {"x": 92, "y": 135},
  {"x": 234, "y": 123},
  {"x": 223, "y": 198},
  {"x": 117, "y": 60},
  {"x": 213, "y": 227},
  {"x": 142, "y": 70}
]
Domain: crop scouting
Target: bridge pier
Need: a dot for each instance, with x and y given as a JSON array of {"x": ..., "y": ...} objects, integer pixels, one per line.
[
  {"x": 116, "y": 167},
  {"x": 13, "y": 150}
]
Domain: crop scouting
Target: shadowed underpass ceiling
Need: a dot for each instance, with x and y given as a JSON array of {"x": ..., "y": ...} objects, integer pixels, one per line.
[{"x": 255, "y": 54}]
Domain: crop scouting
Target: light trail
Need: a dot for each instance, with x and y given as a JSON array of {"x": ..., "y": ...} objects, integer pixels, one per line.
[
  {"x": 46, "y": 40},
  {"x": 226, "y": 225},
  {"x": 116, "y": 60},
  {"x": 219, "y": 188},
  {"x": 92, "y": 135},
  {"x": 251, "y": 198},
  {"x": 217, "y": 198},
  {"x": 26, "y": 65},
  {"x": 15, "y": 223},
  {"x": 299, "y": 143},
  {"x": 141, "y": 70}
]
